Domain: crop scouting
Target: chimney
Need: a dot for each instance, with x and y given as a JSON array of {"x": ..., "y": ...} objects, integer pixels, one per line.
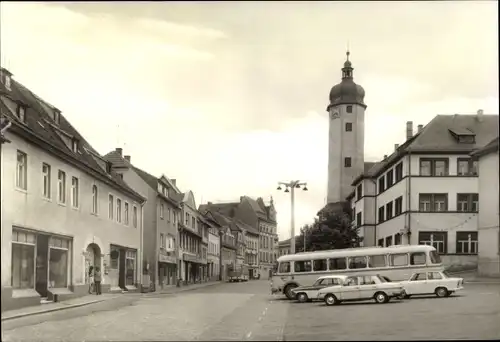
[
  {"x": 396, "y": 146},
  {"x": 480, "y": 113},
  {"x": 174, "y": 181},
  {"x": 385, "y": 156},
  {"x": 420, "y": 128},
  {"x": 119, "y": 150},
  {"x": 127, "y": 158},
  {"x": 409, "y": 130},
  {"x": 209, "y": 203}
]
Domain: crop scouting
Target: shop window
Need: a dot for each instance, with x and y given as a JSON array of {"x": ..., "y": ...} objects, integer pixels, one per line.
[
  {"x": 23, "y": 260},
  {"x": 130, "y": 267}
]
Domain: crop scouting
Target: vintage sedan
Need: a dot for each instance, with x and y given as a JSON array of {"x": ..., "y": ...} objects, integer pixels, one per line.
[
  {"x": 426, "y": 283},
  {"x": 308, "y": 293},
  {"x": 359, "y": 287}
]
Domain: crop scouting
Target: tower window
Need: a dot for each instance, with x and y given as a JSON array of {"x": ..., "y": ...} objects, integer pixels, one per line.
[
  {"x": 348, "y": 126},
  {"x": 347, "y": 161},
  {"x": 349, "y": 109}
]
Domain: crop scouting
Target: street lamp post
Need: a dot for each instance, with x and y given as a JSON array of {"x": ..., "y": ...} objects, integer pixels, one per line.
[{"x": 292, "y": 185}]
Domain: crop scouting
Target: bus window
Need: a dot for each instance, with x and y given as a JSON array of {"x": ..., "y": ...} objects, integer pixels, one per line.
[
  {"x": 302, "y": 266},
  {"x": 284, "y": 267},
  {"x": 377, "y": 261},
  {"x": 337, "y": 264},
  {"x": 357, "y": 262},
  {"x": 435, "y": 258},
  {"x": 398, "y": 260},
  {"x": 417, "y": 258},
  {"x": 319, "y": 265}
]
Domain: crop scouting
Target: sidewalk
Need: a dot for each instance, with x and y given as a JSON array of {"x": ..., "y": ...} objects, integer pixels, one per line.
[
  {"x": 93, "y": 299},
  {"x": 51, "y": 307},
  {"x": 473, "y": 277}
]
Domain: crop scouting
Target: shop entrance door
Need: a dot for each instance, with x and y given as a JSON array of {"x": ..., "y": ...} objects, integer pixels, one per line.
[
  {"x": 42, "y": 264},
  {"x": 121, "y": 270}
]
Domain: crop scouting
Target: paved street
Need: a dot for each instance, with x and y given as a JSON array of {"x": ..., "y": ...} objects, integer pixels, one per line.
[{"x": 246, "y": 311}]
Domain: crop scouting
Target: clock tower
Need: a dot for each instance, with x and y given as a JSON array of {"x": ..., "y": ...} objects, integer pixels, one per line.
[{"x": 346, "y": 135}]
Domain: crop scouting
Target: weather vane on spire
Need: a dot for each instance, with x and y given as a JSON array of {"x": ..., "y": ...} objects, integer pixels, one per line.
[{"x": 347, "y": 51}]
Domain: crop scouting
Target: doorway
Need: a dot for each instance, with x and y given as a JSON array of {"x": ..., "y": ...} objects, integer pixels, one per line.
[{"x": 42, "y": 265}]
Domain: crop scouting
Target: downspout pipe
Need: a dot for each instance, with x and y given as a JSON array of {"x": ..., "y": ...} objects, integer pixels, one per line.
[
  {"x": 141, "y": 275},
  {"x": 408, "y": 232}
]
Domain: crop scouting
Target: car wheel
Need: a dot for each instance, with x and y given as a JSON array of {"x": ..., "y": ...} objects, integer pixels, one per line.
[
  {"x": 381, "y": 297},
  {"x": 330, "y": 299},
  {"x": 442, "y": 292},
  {"x": 288, "y": 291},
  {"x": 302, "y": 297},
  {"x": 407, "y": 296}
]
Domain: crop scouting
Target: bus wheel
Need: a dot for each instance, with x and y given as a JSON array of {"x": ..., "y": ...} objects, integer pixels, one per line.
[
  {"x": 288, "y": 291},
  {"x": 302, "y": 297}
]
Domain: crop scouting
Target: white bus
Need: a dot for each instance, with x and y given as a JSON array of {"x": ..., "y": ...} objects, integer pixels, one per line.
[{"x": 395, "y": 262}]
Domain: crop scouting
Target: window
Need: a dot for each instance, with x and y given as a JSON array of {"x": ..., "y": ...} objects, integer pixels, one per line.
[
  {"x": 438, "y": 240},
  {"x": 367, "y": 280},
  {"x": 23, "y": 260},
  {"x": 433, "y": 202},
  {"x": 21, "y": 113},
  {"x": 390, "y": 178},
  {"x": 161, "y": 210},
  {"x": 95, "y": 196},
  {"x": 359, "y": 192},
  {"x": 467, "y": 167},
  {"x": 74, "y": 145},
  {"x": 377, "y": 261},
  {"x": 193, "y": 222},
  {"x": 349, "y": 109},
  {"x": 419, "y": 277},
  {"x": 337, "y": 264},
  {"x": 399, "y": 172},
  {"x": 347, "y": 161},
  {"x": 434, "y": 167},
  {"x": 134, "y": 216},
  {"x": 61, "y": 186},
  {"x": 357, "y": 262},
  {"x": 110, "y": 207},
  {"x": 168, "y": 214},
  {"x": 380, "y": 243},
  {"x": 126, "y": 213},
  {"x": 468, "y": 202},
  {"x": 58, "y": 262},
  {"x": 388, "y": 210},
  {"x": 467, "y": 243},
  {"x": 284, "y": 267},
  {"x": 74, "y": 192},
  {"x": 358, "y": 220},
  {"x": 162, "y": 240},
  {"x": 21, "y": 170},
  {"x": 397, "y": 239},
  {"x": 434, "y": 276},
  {"x": 348, "y": 126},
  {"x": 398, "y": 259},
  {"x": 398, "y": 210},
  {"x": 388, "y": 241},
  {"x": 130, "y": 262},
  {"x": 381, "y": 214},
  {"x": 381, "y": 184},
  {"x": 118, "y": 210},
  {"x": 320, "y": 265},
  {"x": 57, "y": 117},
  {"x": 46, "y": 180},
  {"x": 351, "y": 281}
]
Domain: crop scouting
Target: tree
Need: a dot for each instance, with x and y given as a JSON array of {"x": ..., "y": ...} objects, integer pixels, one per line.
[{"x": 332, "y": 229}]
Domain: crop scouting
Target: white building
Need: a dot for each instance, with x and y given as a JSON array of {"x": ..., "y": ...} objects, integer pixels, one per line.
[
  {"x": 488, "y": 228},
  {"x": 426, "y": 191},
  {"x": 63, "y": 209}
]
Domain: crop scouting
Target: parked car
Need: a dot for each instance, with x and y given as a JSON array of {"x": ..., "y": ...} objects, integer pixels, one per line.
[
  {"x": 308, "y": 293},
  {"x": 438, "y": 283},
  {"x": 358, "y": 288}
]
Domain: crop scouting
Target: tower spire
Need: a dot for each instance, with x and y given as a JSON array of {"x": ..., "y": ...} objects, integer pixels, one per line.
[{"x": 347, "y": 53}]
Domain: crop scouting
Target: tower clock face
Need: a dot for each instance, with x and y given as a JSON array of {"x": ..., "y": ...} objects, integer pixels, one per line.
[{"x": 334, "y": 115}]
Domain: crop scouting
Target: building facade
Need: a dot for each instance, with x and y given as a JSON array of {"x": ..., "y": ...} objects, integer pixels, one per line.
[
  {"x": 161, "y": 213},
  {"x": 346, "y": 135},
  {"x": 214, "y": 246},
  {"x": 66, "y": 209},
  {"x": 284, "y": 247},
  {"x": 426, "y": 191},
  {"x": 489, "y": 210},
  {"x": 191, "y": 247}
]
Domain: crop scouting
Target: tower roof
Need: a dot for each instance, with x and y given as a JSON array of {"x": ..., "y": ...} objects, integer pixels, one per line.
[{"x": 347, "y": 92}]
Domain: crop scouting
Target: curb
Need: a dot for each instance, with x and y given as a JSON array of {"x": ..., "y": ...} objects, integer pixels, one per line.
[
  {"x": 183, "y": 289},
  {"x": 70, "y": 306}
]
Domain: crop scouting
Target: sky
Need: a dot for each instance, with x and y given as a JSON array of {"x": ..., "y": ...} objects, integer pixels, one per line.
[{"x": 230, "y": 97}]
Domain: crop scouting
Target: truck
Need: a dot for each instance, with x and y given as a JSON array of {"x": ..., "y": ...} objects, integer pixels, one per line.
[{"x": 239, "y": 273}]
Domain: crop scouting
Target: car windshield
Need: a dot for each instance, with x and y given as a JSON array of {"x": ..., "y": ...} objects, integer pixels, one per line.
[
  {"x": 383, "y": 279},
  {"x": 446, "y": 274},
  {"x": 317, "y": 282}
]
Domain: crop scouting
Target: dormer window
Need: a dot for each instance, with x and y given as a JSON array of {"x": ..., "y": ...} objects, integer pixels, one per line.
[
  {"x": 108, "y": 167},
  {"x": 57, "y": 117},
  {"x": 463, "y": 135},
  {"x": 466, "y": 139},
  {"x": 74, "y": 145},
  {"x": 7, "y": 82},
  {"x": 5, "y": 78},
  {"x": 21, "y": 112}
]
